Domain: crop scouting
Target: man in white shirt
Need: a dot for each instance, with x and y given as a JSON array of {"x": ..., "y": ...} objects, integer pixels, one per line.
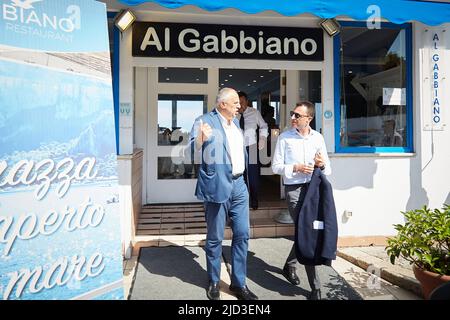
[
  {"x": 297, "y": 152},
  {"x": 255, "y": 136}
]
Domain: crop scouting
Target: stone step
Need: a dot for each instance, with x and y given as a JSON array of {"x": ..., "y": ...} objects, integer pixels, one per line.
[{"x": 186, "y": 222}]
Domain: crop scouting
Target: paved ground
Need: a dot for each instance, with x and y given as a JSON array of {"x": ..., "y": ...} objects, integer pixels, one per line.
[{"x": 179, "y": 273}]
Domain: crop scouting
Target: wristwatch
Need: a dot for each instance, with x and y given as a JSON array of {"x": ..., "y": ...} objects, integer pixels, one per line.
[{"x": 322, "y": 167}]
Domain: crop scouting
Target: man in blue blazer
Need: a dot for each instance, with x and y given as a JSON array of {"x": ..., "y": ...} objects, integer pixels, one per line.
[{"x": 217, "y": 137}]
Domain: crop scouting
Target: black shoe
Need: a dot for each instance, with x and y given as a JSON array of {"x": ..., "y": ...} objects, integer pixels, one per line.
[
  {"x": 254, "y": 205},
  {"x": 315, "y": 295},
  {"x": 290, "y": 274},
  {"x": 213, "y": 292},
  {"x": 243, "y": 293}
]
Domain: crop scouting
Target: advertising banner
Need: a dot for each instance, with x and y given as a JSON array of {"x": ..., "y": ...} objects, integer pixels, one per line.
[{"x": 59, "y": 215}]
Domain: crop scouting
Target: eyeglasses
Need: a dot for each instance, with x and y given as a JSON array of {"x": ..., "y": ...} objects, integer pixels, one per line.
[{"x": 298, "y": 115}]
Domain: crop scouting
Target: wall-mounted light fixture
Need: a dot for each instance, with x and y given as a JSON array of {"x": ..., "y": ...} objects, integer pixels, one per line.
[
  {"x": 124, "y": 20},
  {"x": 331, "y": 26}
]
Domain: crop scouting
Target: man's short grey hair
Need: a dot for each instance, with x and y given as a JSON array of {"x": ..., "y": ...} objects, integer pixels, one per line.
[{"x": 224, "y": 94}]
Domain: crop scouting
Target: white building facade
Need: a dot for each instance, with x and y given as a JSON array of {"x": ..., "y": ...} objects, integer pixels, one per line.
[{"x": 381, "y": 95}]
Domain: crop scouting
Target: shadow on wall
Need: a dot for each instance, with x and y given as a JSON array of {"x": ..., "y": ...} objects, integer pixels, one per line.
[
  {"x": 418, "y": 196},
  {"x": 447, "y": 201},
  {"x": 352, "y": 172},
  {"x": 359, "y": 172}
]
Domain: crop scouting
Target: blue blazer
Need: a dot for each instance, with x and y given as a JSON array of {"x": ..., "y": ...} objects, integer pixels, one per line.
[
  {"x": 215, "y": 179},
  {"x": 317, "y": 246}
]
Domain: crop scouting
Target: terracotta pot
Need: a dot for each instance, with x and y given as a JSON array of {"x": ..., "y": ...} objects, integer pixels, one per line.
[{"x": 429, "y": 280}]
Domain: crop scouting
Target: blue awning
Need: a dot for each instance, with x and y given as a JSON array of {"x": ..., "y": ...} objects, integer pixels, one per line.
[{"x": 396, "y": 11}]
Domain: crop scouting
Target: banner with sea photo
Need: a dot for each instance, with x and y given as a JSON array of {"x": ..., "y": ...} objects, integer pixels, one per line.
[{"x": 60, "y": 235}]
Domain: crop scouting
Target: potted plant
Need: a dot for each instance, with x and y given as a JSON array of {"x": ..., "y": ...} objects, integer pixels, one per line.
[{"x": 424, "y": 241}]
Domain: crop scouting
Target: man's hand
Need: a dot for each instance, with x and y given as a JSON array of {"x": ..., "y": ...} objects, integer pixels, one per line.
[
  {"x": 319, "y": 161},
  {"x": 261, "y": 143},
  {"x": 303, "y": 168},
  {"x": 204, "y": 132}
]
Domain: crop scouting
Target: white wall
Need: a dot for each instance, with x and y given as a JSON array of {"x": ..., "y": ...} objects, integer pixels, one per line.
[
  {"x": 124, "y": 168},
  {"x": 375, "y": 189}
]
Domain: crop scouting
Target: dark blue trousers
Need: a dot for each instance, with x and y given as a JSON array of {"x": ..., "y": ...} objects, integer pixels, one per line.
[
  {"x": 236, "y": 208},
  {"x": 252, "y": 174}
]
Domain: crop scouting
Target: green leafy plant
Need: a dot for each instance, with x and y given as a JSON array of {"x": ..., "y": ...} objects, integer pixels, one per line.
[{"x": 424, "y": 239}]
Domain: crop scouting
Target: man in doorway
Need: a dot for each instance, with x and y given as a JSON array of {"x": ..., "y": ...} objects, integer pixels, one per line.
[
  {"x": 221, "y": 186},
  {"x": 297, "y": 152},
  {"x": 252, "y": 123}
]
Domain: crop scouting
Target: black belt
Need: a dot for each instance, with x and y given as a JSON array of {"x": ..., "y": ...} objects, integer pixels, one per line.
[
  {"x": 235, "y": 176},
  {"x": 297, "y": 184}
]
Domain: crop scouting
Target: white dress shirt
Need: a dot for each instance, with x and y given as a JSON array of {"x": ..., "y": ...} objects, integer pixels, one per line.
[
  {"x": 253, "y": 120},
  {"x": 235, "y": 142},
  {"x": 293, "y": 148}
]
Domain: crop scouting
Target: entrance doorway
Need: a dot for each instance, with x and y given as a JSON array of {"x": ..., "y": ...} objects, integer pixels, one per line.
[
  {"x": 263, "y": 89},
  {"x": 173, "y": 97}
]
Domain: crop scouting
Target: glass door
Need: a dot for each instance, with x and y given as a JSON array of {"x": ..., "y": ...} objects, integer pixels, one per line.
[{"x": 176, "y": 97}]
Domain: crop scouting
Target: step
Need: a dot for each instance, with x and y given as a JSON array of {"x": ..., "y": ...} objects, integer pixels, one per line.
[
  {"x": 254, "y": 214},
  {"x": 188, "y": 223},
  {"x": 158, "y": 224},
  {"x": 195, "y": 236}
]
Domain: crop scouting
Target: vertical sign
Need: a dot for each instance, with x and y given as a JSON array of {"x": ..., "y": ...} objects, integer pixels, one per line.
[
  {"x": 59, "y": 218},
  {"x": 435, "y": 89},
  {"x": 126, "y": 115}
]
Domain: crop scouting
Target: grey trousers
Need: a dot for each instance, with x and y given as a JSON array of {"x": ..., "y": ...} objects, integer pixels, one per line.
[{"x": 295, "y": 195}]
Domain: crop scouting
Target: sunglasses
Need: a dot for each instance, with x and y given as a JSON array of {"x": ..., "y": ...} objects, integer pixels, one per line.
[{"x": 298, "y": 115}]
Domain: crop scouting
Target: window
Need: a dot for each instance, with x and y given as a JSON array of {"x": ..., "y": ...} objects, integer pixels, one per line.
[
  {"x": 373, "y": 88},
  {"x": 176, "y": 114},
  {"x": 182, "y": 75},
  {"x": 169, "y": 168}
]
